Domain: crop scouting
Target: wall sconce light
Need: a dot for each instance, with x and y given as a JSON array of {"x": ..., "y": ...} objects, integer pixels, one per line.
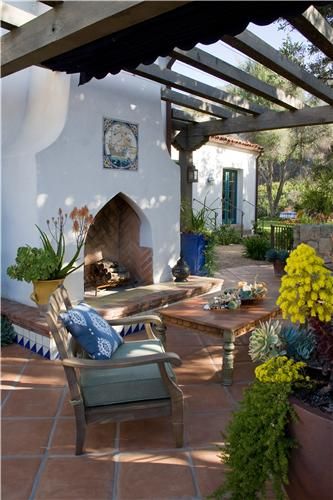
[
  {"x": 210, "y": 179},
  {"x": 192, "y": 174}
]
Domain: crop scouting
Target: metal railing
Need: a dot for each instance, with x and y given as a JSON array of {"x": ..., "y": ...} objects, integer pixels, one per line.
[{"x": 282, "y": 236}]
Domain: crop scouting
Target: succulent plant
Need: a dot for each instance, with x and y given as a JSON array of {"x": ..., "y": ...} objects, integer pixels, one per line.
[
  {"x": 7, "y": 331},
  {"x": 299, "y": 343},
  {"x": 272, "y": 255},
  {"x": 265, "y": 341}
]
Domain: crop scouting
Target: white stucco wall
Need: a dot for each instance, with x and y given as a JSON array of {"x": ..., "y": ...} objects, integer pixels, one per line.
[
  {"x": 53, "y": 157},
  {"x": 210, "y": 160}
]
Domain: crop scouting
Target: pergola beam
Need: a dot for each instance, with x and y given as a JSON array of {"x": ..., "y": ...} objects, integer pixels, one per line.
[
  {"x": 254, "y": 47},
  {"x": 316, "y": 29},
  {"x": 181, "y": 82},
  {"x": 214, "y": 66},
  {"x": 12, "y": 17},
  {"x": 270, "y": 120},
  {"x": 63, "y": 28},
  {"x": 190, "y": 102}
]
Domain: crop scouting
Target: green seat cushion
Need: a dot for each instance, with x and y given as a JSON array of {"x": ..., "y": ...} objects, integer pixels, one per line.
[{"x": 122, "y": 385}]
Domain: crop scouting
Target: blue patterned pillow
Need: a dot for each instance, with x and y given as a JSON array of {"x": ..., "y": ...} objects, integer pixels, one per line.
[{"x": 91, "y": 331}]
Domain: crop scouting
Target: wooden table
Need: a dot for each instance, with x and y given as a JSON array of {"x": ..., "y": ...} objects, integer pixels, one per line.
[{"x": 224, "y": 323}]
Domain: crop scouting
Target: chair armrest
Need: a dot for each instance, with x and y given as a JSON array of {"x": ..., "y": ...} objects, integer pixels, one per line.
[
  {"x": 130, "y": 320},
  {"x": 164, "y": 357}
]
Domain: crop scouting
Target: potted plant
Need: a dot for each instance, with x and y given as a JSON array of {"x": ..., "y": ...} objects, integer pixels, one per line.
[
  {"x": 278, "y": 258},
  {"x": 282, "y": 432},
  {"x": 45, "y": 267},
  {"x": 197, "y": 240}
]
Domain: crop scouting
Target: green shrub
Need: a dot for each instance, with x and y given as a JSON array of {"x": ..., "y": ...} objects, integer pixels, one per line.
[
  {"x": 7, "y": 331},
  {"x": 256, "y": 247},
  {"x": 227, "y": 235}
]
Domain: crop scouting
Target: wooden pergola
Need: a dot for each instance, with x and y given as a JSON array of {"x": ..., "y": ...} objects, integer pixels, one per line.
[{"x": 71, "y": 35}]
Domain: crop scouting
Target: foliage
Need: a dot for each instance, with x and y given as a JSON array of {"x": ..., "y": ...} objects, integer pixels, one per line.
[
  {"x": 288, "y": 153},
  {"x": 256, "y": 247},
  {"x": 47, "y": 263},
  {"x": 323, "y": 333},
  {"x": 33, "y": 264},
  {"x": 265, "y": 341},
  {"x": 300, "y": 343},
  {"x": 308, "y": 55},
  {"x": 197, "y": 220},
  {"x": 7, "y": 331},
  {"x": 273, "y": 255},
  {"x": 317, "y": 195},
  {"x": 210, "y": 258},
  {"x": 227, "y": 235},
  {"x": 257, "y": 445},
  {"x": 306, "y": 288},
  {"x": 290, "y": 196}
]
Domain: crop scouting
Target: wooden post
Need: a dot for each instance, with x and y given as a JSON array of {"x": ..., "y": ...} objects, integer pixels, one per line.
[{"x": 186, "y": 188}]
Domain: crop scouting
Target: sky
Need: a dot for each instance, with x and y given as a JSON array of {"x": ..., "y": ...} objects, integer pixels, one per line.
[{"x": 270, "y": 34}]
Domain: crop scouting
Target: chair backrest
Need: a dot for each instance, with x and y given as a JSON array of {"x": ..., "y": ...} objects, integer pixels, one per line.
[
  {"x": 59, "y": 301},
  {"x": 66, "y": 344}
]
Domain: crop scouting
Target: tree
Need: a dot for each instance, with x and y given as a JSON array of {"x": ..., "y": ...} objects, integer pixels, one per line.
[
  {"x": 288, "y": 153},
  {"x": 307, "y": 55}
]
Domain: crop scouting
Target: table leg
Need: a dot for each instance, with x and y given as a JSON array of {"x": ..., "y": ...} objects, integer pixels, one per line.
[{"x": 228, "y": 357}]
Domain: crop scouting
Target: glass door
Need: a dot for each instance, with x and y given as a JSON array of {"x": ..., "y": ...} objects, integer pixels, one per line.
[{"x": 229, "y": 197}]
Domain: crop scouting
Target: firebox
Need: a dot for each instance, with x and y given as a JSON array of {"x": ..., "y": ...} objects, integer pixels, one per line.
[{"x": 113, "y": 255}]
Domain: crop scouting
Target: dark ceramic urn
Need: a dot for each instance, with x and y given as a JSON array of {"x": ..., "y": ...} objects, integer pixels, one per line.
[{"x": 181, "y": 270}]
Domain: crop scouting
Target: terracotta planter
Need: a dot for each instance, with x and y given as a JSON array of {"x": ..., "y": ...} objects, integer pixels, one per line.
[
  {"x": 42, "y": 292},
  {"x": 278, "y": 266},
  {"x": 310, "y": 467}
]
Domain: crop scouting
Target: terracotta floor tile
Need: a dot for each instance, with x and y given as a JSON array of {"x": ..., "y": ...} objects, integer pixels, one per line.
[
  {"x": 204, "y": 429},
  {"x": 244, "y": 372},
  {"x": 155, "y": 433},
  {"x": 183, "y": 336},
  {"x": 236, "y": 390},
  {"x": 67, "y": 408},
  {"x": 194, "y": 371},
  {"x": 155, "y": 476},
  {"x": 43, "y": 373},
  {"x": 206, "y": 398},
  {"x": 10, "y": 375},
  {"x": 25, "y": 437},
  {"x": 79, "y": 478},
  {"x": 32, "y": 403},
  {"x": 209, "y": 470},
  {"x": 99, "y": 437},
  {"x": 17, "y": 477},
  {"x": 14, "y": 354}
]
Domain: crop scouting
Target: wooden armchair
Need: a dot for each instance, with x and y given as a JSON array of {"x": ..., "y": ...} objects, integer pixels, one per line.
[{"x": 136, "y": 383}]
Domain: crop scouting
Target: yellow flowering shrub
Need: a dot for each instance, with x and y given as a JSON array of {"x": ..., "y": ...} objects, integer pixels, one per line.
[
  {"x": 307, "y": 287},
  {"x": 280, "y": 369}
]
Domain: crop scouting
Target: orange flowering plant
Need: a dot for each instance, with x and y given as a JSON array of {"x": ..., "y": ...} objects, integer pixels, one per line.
[
  {"x": 81, "y": 221},
  {"x": 47, "y": 263}
]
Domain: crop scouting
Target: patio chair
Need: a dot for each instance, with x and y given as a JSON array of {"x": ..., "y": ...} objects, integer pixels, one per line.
[{"x": 136, "y": 383}]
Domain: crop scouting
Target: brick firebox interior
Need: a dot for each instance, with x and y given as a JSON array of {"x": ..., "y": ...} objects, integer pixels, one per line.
[{"x": 115, "y": 235}]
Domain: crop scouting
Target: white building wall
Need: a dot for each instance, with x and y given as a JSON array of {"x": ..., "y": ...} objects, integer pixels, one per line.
[
  {"x": 210, "y": 160},
  {"x": 53, "y": 157}
]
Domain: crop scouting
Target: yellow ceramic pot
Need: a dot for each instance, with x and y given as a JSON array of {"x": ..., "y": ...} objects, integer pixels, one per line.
[{"x": 43, "y": 290}]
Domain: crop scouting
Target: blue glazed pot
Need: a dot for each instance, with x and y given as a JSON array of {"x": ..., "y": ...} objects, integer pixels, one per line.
[{"x": 193, "y": 250}]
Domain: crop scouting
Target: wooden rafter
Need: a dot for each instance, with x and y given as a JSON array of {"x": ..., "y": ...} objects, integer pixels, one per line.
[
  {"x": 186, "y": 116},
  {"x": 196, "y": 134},
  {"x": 62, "y": 29},
  {"x": 316, "y": 29},
  {"x": 190, "y": 102},
  {"x": 254, "y": 47},
  {"x": 214, "y": 66},
  {"x": 181, "y": 82},
  {"x": 12, "y": 17}
]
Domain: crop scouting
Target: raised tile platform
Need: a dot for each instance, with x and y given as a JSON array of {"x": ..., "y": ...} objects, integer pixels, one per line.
[{"x": 32, "y": 330}]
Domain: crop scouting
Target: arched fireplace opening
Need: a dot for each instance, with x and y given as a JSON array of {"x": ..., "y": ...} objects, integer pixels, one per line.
[{"x": 113, "y": 255}]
